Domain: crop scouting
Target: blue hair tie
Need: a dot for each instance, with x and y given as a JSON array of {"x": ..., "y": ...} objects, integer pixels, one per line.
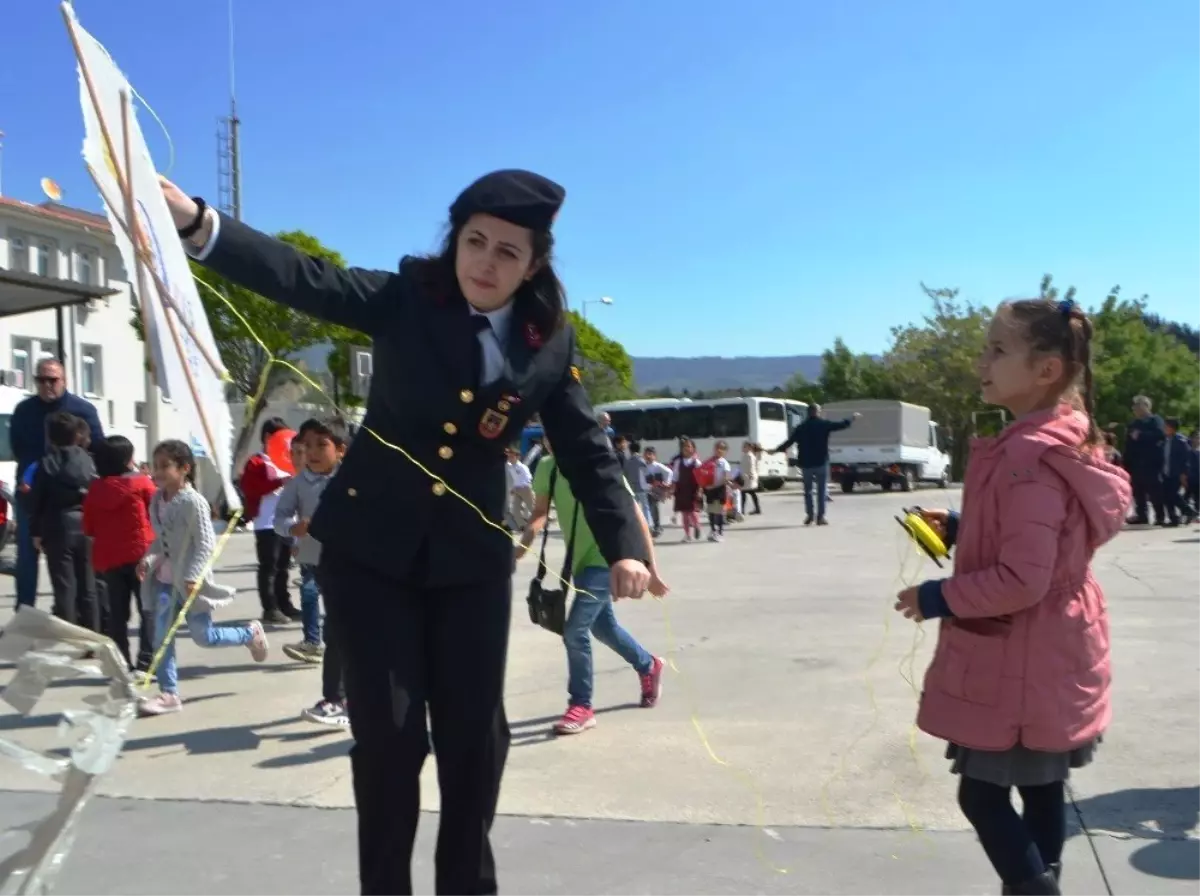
[{"x": 1066, "y": 306}]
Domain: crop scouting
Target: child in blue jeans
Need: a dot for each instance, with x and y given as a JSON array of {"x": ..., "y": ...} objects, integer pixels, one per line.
[
  {"x": 177, "y": 564},
  {"x": 324, "y": 446},
  {"x": 592, "y": 608}
]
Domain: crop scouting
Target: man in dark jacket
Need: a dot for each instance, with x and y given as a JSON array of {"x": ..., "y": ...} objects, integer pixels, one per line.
[
  {"x": 27, "y": 431},
  {"x": 811, "y": 439},
  {"x": 1144, "y": 439},
  {"x": 56, "y": 519}
]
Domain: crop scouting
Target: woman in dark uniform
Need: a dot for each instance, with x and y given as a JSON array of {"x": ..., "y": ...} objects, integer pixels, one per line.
[{"x": 468, "y": 345}]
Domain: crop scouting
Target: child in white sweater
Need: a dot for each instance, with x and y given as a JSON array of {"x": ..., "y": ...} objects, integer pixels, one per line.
[{"x": 179, "y": 562}]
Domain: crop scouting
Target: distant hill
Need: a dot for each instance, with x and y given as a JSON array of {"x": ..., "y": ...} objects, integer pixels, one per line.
[{"x": 721, "y": 373}]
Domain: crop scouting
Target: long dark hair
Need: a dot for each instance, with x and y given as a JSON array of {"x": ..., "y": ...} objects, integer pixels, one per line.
[
  {"x": 1062, "y": 328},
  {"x": 542, "y": 297}
]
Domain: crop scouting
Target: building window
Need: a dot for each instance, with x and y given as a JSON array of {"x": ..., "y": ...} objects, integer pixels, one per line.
[
  {"x": 47, "y": 350},
  {"x": 363, "y": 360},
  {"x": 18, "y": 254},
  {"x": 22, "y": 350},
  {"x": 139, "y": 413},
  {"x": 85, "y": 266},
  {"x": 91, "y": 370},
  {"x": 44, "y": 262}
]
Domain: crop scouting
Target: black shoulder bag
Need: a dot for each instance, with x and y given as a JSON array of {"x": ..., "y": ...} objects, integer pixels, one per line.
[{"x": 548, "y": 607}]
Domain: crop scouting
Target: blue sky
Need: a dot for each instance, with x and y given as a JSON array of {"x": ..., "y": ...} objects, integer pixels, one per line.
[{"x": 751, "y": 178}]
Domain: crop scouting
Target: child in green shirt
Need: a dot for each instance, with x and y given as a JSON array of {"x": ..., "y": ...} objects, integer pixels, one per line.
[{"x": 592, "y": 609}]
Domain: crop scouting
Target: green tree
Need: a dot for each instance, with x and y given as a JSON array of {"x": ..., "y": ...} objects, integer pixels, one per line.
[
  {"x": 1132, "y": 358},
  {"x": 934, "y": 364},
  {"x": 846, "y": 376},
  {"x": 283, "y": 332},
  {"x": 605, "y": 367}
]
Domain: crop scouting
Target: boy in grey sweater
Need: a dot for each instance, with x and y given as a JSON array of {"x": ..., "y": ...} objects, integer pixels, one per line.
[{"x": 324, "y": 446}]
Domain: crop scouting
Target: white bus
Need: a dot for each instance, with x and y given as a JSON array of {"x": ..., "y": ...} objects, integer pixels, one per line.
[{"x": 661, "y": 422}]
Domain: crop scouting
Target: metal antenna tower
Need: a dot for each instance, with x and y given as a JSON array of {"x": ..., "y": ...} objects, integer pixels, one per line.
[{"x": 229, "y": 167}]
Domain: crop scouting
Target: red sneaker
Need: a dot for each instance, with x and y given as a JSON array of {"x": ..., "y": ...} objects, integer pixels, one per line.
[
  {"x": 576, "y": 720},
  {"x": 652, "y": 684}
]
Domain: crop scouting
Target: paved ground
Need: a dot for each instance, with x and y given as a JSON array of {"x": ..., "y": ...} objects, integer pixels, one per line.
[{"x": 790, "y": 662}]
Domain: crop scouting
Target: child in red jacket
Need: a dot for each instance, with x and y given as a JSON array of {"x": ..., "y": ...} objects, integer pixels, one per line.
[{"x": 116, "y": 514}]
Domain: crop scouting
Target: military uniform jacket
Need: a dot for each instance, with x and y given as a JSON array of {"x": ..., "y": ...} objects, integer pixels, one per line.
[{"x": 381, "y": 509}]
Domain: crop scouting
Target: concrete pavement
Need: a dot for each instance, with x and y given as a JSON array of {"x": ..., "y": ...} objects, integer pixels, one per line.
[{"x": 790, "y": 662}]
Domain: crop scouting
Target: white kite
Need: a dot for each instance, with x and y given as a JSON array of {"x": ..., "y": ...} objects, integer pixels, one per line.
[{"x": 185, "y": 358}]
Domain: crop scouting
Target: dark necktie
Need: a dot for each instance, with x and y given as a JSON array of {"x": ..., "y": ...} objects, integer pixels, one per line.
[{"x": 479, "y": 326}]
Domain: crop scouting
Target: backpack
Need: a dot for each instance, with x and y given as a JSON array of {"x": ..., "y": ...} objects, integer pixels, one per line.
[{"x": 706, "y": 473}]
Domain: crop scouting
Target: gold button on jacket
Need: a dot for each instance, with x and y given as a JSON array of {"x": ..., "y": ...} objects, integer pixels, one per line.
[{"x": 385, "y": 512}]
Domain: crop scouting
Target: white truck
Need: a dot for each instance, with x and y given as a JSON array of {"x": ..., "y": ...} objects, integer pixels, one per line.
[{"x": 891, "y": 444}]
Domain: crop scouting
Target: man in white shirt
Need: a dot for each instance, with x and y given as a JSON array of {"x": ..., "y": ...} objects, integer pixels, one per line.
[{"x": 520, "y": 491}]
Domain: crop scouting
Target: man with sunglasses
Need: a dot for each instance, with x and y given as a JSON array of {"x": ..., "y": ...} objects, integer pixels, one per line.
[{"x": 28, "y": 436}]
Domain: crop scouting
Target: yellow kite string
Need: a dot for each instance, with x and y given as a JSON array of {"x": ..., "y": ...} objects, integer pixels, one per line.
[
  {"x": 744, "y": 778},
  {"x": 905, "y": 579}
]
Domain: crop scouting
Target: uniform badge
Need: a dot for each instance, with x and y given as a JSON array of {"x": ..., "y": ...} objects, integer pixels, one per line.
[
  {"x": 533, "y": 336},
  {"x": 492, "y": 424},
  {"x": 575, "y": 374}
]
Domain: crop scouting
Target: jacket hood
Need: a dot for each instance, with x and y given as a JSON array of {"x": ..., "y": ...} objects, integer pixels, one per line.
[
  {"x": 1056, "y": 438},
  {"x": 112, "y": 492},
  {"x": 72, "y": 466}
]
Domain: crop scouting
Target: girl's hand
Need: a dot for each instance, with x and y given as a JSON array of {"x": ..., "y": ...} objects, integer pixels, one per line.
[
  {"x": 300, "y": 529},
  {"x": 143, "y": 567},
  {"x": 937, "y": 520},
  {"x": 628, "y": 578},
  {"x": 189, "y": 588},
  {"x": 908, "y": 604},
  {"x": 182, "y": 207}
]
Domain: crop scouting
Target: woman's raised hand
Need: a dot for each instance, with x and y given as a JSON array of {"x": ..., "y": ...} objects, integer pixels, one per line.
[{"x": 182, "y": 207}]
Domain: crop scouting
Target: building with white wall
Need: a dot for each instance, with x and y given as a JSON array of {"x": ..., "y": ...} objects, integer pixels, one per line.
[{"x": 102, "y": 354}]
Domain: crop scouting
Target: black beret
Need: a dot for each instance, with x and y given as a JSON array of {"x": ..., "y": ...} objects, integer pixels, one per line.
[{"x": 519, "y": 197}]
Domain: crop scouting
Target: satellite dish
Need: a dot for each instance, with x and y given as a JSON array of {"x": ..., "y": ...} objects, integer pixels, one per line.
[{"x": 52, "y": 190}]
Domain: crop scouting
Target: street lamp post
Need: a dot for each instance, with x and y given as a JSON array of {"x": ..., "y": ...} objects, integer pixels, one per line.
[{"x": 603, "y": 300}]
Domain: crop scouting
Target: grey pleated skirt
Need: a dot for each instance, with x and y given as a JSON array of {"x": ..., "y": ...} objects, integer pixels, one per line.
[{"x": 1018, "y": 766}]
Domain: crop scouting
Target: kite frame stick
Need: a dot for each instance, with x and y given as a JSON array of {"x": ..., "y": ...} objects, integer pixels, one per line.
[
  {"x": 131, "y": 227},
  {"x": 183, "y": 362},
  {"x": 130, "y": 214}
]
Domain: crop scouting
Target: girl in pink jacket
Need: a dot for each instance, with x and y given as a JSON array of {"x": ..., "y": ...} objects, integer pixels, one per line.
[{"x": 1019, "y": 684}]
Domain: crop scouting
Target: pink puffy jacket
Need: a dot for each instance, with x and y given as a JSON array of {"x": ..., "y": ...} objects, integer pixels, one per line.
[{"x": 1025, "y": 657}]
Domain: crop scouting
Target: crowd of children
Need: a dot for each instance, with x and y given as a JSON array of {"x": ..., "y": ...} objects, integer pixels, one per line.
[{"x": 115, "y": 537}]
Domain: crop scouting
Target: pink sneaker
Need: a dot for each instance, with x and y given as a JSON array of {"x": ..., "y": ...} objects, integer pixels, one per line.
[
  {"x": 258, "y": 644},
  {"x": 576, "y": 720},
  {"x": 652, "y": 684},
  {"x": 160, "y": 705}
]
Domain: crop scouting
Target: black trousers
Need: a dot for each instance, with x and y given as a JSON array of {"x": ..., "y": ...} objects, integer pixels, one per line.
[
  {"x": 1174, "y": 499},
  {"x": 274, "y": 562},
  {"x": 69, "y": 561},
  {"x": 1020, "y": 847},
  {"x": 1147, "y": 490},
  {"x": 407, "y": 647},
  {"x": 747, "y": 494},
  {"x": 119, "y": 590},
  {"x": 333, "y": 661}
]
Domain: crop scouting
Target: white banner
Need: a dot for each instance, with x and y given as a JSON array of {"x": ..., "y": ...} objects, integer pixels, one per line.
[{"x": 168, "y": 259}]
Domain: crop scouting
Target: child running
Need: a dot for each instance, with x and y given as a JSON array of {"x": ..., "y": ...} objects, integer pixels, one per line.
[
  {"x": 591, "y": 611},
  {"x": 179, "y": 558},
  {"x": 324, "y": 446},
  {"x": 1020, "y": 681}
]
